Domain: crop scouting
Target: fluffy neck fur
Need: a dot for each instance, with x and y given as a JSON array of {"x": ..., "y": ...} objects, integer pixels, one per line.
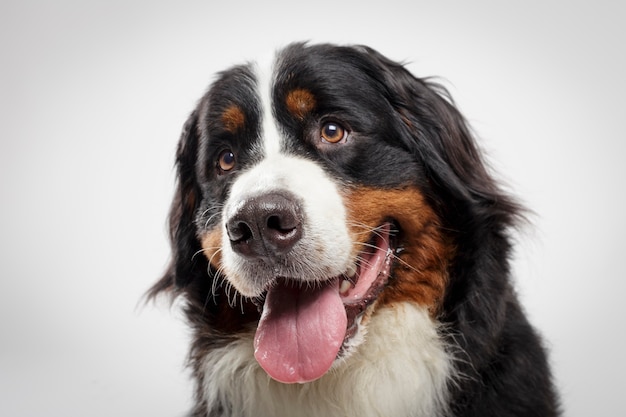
[{"x": 401, "y": 369}]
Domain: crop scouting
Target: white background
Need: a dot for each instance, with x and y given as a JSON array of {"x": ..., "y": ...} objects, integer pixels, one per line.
[{"x": 93, "y": 96}]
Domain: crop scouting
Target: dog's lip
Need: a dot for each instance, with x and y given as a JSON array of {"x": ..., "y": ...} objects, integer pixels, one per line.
[
  {"x": 372, "y": 274},
  {"x": 363, "y": 281}
]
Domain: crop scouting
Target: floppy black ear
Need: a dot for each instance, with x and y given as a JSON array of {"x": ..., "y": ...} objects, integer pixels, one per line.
[
  {"x": 438, "y": 134},
  {"x": 184, "y": 265}
]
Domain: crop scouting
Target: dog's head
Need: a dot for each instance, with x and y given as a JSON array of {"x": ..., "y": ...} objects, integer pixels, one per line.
[{"x": 313, "y": 194}]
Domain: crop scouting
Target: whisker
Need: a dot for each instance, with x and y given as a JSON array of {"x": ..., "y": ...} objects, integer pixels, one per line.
[
  {"x": 206, "y": 224},
  {"x": 406, "y": 264},
  {"x": 217, "y": 206},
  {"x": 396, "y": 257},
  {"x": 218, "y": 279},
  {"x": 361, "y": 261},
  {"x": 199, "y": 252},
  {"x": 214, "y": 255},
  {"x": 367, "y": 229},
  {"x": 218, "y": 210},
  {"x": 231, "y": 302},
  {"x": 241, "y": 298},
  {"x": 216, "y": 250}
]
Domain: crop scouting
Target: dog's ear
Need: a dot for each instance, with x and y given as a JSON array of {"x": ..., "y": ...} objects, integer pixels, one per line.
[
  {"x": 184, "y": 264},
  {"x": 437, "y": 133}
]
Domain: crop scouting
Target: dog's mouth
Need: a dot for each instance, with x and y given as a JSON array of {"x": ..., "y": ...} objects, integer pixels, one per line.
[{"x": 304, "y": 327}]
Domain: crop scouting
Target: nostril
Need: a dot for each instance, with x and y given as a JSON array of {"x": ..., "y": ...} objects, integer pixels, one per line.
[
  {"x": 283, "y": 229},
  {"x": 282, "y": 223},
  {"x": 239, "y": 231},
  {"x": 273, "y": 222}
]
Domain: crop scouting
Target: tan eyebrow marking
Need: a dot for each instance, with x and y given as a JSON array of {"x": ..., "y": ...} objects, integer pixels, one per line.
[
  {"x": 233, "y": 118},
  {"x": 300, "y": 102}
]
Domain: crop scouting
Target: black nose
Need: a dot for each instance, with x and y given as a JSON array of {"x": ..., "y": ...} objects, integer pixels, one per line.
[{"x": 266, "y": 226}]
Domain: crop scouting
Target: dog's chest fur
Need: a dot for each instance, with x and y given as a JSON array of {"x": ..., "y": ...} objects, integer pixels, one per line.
[{"x": 402, "y": 369}]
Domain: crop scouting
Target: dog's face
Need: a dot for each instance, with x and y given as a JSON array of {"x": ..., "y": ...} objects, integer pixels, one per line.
[
  {"x": 311, "y": 206},
  {"x": 313, "y": 192}
]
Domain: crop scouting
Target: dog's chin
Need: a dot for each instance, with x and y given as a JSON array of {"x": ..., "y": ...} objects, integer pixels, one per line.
[{"x": 306, "y": 326}]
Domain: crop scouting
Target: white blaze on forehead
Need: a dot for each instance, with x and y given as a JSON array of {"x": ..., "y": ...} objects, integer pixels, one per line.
[{"x": 270, "y": 135}]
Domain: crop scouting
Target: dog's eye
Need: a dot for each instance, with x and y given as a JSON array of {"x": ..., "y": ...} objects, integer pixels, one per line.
[
  {"x": 226, "y": 161},
  {"x": 333, "y": 132}
]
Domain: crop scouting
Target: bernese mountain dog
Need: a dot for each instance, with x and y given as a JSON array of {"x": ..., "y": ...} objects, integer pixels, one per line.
[{"x": 341, "y": 249}]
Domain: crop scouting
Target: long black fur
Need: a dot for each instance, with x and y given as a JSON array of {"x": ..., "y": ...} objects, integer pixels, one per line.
[{"x": 502, "y": 364}]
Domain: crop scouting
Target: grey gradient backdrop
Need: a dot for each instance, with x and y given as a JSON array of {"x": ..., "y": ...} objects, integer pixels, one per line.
[{"x": 92, "y": 98}]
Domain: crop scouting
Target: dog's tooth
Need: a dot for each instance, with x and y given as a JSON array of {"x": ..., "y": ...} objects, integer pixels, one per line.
[
  {"x": 351, "y": 272},
  {"x": 345, "y": 286}
]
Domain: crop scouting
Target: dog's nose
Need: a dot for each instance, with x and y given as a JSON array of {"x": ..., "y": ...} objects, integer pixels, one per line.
[{"x": 266, "y": 226}]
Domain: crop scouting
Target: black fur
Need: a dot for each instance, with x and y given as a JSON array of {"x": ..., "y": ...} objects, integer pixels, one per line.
[{"x": 411, "y": 134}]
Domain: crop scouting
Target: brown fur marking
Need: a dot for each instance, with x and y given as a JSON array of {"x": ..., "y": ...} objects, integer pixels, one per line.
[
  {"x": 300, "y": 102},
  {"x": 233, "y": 118},
  {"x": 420, "y": 272},
  {"x": 212, "y": 247}
]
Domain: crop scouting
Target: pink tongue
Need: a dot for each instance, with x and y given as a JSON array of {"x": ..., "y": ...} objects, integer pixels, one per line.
[{"x": 300, "y": 332}]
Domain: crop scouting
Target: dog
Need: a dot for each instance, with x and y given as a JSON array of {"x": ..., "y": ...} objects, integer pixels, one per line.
[{"x": 342, "y": 249}]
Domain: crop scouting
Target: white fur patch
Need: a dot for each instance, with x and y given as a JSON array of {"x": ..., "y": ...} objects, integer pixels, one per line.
[
  {"x": 325, "y": 248},
  {"x": 271, "y": 136},
  {"x": 402, "y": 369}
]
